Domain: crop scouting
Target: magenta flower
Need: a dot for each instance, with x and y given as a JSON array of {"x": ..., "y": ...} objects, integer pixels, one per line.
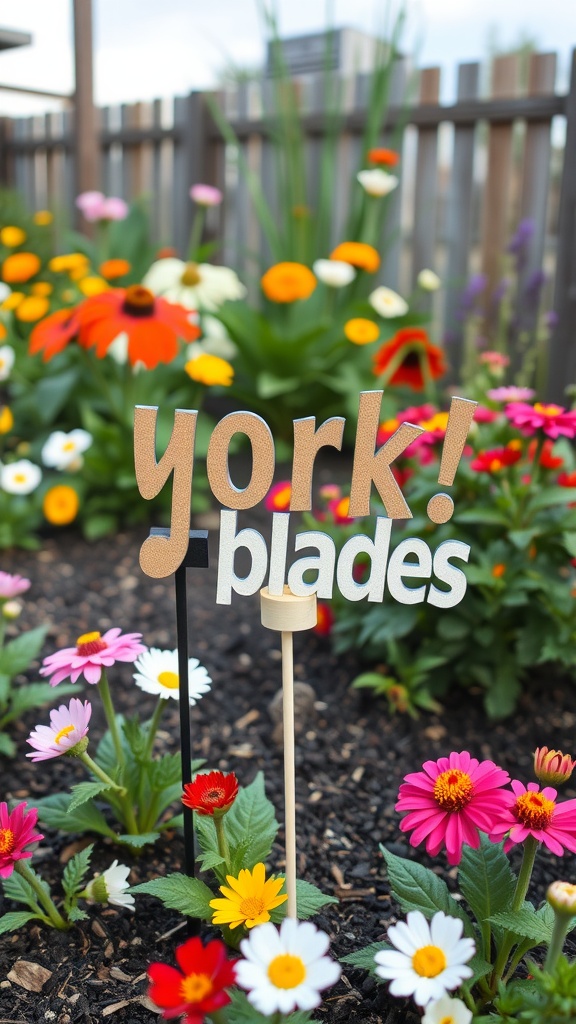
[
  {"x": 450, "y": 801},
  {"x": 510, "y": 393},
  {"x": 553, "y": 420},
  {"x": 12, "y": 586},
  {"x": 68, "y": 725},
  {"x": 206, "y": 195},
  {"x": 484, "y": 415},
  {"x": 16, "y": 832},
  {"x": 278, "y": 497},
  {"x": 91, "y": 654},
  {"x": 530, "y": 811}
]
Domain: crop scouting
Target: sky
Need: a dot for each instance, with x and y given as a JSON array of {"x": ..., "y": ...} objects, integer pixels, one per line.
[{"x": 146, "y": 49}]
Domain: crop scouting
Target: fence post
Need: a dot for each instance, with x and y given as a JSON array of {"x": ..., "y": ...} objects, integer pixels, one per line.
[
  {"x": 193, "y": 161},
  {"x": 562, "y": 362},
  {"x": 85, "y": 141}
]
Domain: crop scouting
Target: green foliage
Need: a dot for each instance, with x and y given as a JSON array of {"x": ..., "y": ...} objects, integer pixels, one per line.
[
  {"x": 240, "y": 1011},
  {"x": 548, "y": 998},
  {"x": 189, "y": 896},
  {"x": 364, "y": 958},
  {"x": 417, "y": 888}
]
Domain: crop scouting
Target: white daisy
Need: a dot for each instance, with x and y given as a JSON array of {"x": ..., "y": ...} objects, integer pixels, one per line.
[
  {"x": 387, "y": 303},
  {"x": 377, "y": 182},
  {"x": 109, "y": 887},
  {"x": 157, "y": 673},
  {"x": 215, "y": 340},
  {"x": 286, "y": 970},
  {"x": 334, "y": 273},
  {"x": 21, "y": 477},
  {"x": 447, "y": 1011},
  {"x": 6, "y": 361},
  {"x": 428, "y": 281},
  {"x": 429, "y": 958},
  {"x": 64, "y": 451},
  {"x": 193, "y": 285}
]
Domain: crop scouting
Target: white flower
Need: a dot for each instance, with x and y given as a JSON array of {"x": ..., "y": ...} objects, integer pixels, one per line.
[
  {"x": 215, "y": 341},
  {"x": 6, "y": 361},
  {"x": 193, "y": 285},
  {"x": 5, "y": 291},
  {"x": 64, "y": 451},
  {"x": 387, "y": 303},
  {"x": 447, "y": 1011},
  {"x": 21, "y": 477},
  {"x": 285, "y": 970},
  {"x": 428, "y": 281},
  {"x": 157, "y": 673},
  {"x": 334, "y": 273},
  {"x": 429, "y": 958},
  {"x": 110, "y": 885},
  {"x": 377, "y": 182}
]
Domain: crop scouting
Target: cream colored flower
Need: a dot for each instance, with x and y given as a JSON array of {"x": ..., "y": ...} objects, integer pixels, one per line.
[
  {"x": 194, "y": 285},
  {"x": 377, "y": 182},
  {"x": 6, "y": 361},
  {"x": 387, "y": 303},
  {"x": 334, "y": 273},
  {"x": 64, "y": 451},
  {"x": 428, "y": 281}
]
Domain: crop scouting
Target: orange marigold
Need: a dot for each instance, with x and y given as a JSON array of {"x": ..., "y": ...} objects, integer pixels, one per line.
[
  {"x": 358, "y": 254},
  {"x": 60, "y": 505},
  {"x": 32, "y": 308},
  {"x": 20, "y": 267},
  {"x": 386, "y": 157},
  {"x": 286, "y": 282},
  {"x": 361, "y": 331},
  {"x": 111, "y": 269}
]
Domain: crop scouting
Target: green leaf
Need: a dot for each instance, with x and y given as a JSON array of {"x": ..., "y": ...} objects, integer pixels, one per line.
[
  {"x": 525, "y": 924},
  {"x": 549, "y": 496},
  {"x": 486, "y": 880},
  {"x": 54, "y": 812},
  {"x": 98, "y": 526},
  {"x": 240, "y": 1011},
  {"x": 481, "y": 516},
  {"x": 52, "y": 393},
  {"x": 309, "y": 900},
  {"x": 190, "y": 896},
  {"x": 252, "y": 816},
  {"x": 85, "y": 791},
  {"x": 417, "y": 888},
  {"x": 75, "y": 871},
  {"x": 137, "y": 841},
  {"x": 17, "y": 655},
  {"x": 18, "y": 889},
  {"x": 165, "y": 772},
  {"x": 364, "y": 958},
  {"x": 452, "y": 627},
  {"x": 7, "y": 746},
  {"x": 209, "y": 861},
  {"x": 75, "y": 914},
  {"x": 34, "y": 695},
  {"x": 16, "y": 919}
]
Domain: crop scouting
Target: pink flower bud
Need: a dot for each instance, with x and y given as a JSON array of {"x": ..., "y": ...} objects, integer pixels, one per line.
[
  {"x": 91, "y": 203},
  {"x": 552, "y": 767},
  {"x": 114, "y": 208},
  {"x": 562, "y": 898},
  {"x": 206, "y": 195}
]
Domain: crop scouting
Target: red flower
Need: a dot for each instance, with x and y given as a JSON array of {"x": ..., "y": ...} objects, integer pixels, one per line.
[
  {"x": 409, "y": 351},
  {"x": 199, "y": 990},
  {"x": 212, "y": 793},
  {"x": 386, "y": 157},
  {"x": 547, "y": 460},
  {"x": 53, "y": 333},
  {"x": 567, "y": 479},
  {"x": 152, "y": 324},
  {"x": 16, "y": 832},
  {"x": 325, "y": 619},
  {"x": 496, "y": 459}
]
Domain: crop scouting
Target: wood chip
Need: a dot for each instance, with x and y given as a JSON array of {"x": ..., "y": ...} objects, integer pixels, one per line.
[
  {"x": 435, "y": 732},
  {"x": 247, "y": 719},
  {"x": 29, "y": 975},
  {"x": 98, "y": 930},
  {"x": 315, "y": 797},
  {"x": 245, "y": 750},
  {"x": 338, "y": 877},
  {"x": 119, "y": 974},
  {"x": 358, "y": 773},
  {"x": 114, "y": 1007}
]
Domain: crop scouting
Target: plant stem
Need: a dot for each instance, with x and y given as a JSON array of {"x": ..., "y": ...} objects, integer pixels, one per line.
[
  {"x": 196, "y": 233},
  {"x": 528, "y": 857},
  {"x": 223, "y": 848},
  {"x": 100, "y": 773},
  {"x": 561, "y": 925},
  {"x": 153, "y": 727},
  {"x": 44, "y": 899},
  {"x": 111, "y": 717}
]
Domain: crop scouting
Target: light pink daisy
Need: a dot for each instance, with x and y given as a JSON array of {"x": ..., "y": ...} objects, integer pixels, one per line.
[
  {"x": 510, "y": 393},
  {"x": 531, "y": 811},
  {"x": 11, "y": 586},
  {"x": 450, "y": 801},
  {"x": 553, "y": 420},
  {"x": 91, "y": 654},
  {"x": 16, "y": 832},
  {"x": 68, "y": 725},
  {"x": 206, "y": 195}
]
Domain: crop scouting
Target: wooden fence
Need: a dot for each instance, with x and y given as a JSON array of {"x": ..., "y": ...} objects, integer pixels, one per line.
[{"x": 470, "y": 173}]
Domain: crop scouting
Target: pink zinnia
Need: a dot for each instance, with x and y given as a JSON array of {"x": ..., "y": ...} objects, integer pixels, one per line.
[
  {"x": 206, "y": 195},
  {"x": 278, "y": 497},
  {"x": 495, "y": 359},
  {"x": 553, "y": 420},
  {"x": 484, "y": 415},
  {"x": 91, "y": 654},
  {"x": 11, "y": 586},
  {"x": 16, "y": 832},
  {"x": 531, "y": 811},
  {"x": 450, "y": 801},
  {"x": 510, "y": 393},
  {"x": 68, "y": 725}
]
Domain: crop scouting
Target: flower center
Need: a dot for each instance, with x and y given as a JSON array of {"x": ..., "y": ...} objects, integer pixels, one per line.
[
  {"x": 534, "y": 810},
  {"x": 448, "y": 1020},
  {"x": 7, "y": 840},
  {"x": 213, "y": 795},
  {"x": 547, "y": 410},
  {"x": 429, "y": 961},
  {"x": 195, "y": 987},
  {"x": 20, "y": 478},
  {"x": 138, "y": 301},
  {"x": 412, "y": 359},
  {"x": 90, "y": 643},
  {"x": 190, "y": 275},
  {"x": 286, "y": 971},
  {"x": 68, "y": 446},
  {"x": 169, "y": 679},
  {"x": 251, "y": 907},
  {"x": 453, "y": 790},
  {"x": 63, "y": 732}
]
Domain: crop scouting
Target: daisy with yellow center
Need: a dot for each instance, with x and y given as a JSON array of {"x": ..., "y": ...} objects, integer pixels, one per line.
[
  {"x": 7, "y": 357},
  {"x": 68, "y": 726},
  {"x": 534, "y": 812},
  {"x": 429, "y": 958},
  {"x": 447, "y": 1011},
  {"x": 157, "y": 672},
  {"x": 249, "y": 898},
  {"x": 21, "y": 477}
]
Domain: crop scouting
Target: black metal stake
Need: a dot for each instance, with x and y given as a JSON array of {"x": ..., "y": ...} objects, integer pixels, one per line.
[{"x": 196, "y": 558}]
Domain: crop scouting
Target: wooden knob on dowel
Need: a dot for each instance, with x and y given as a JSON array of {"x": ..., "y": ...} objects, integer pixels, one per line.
[{"x": 288, "y": 614}]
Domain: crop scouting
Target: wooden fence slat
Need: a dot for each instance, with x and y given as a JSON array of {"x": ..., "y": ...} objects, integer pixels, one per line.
[
  {"x": 460, "y": 217},
  {"x": 426, "y": 188},
  {"x": 392, "y": 241}
]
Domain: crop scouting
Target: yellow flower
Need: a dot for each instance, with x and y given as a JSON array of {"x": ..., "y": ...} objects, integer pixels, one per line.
[
  {"x": 69, "y": 261},
  {"x": 12, "y": 236},
  {"x": 359, "y": 254},
  {"x": 43, "y": 217},
  {"x": 286, "y": 282},
  {"x": 249, "y": 898},
  {"x": 42, "y": 288},
  {"x": 60, "y": 505},
  {"x": 93, "y": 285},
  {"x": 32, "y": 308},
  {"x": 6, "y": 419},
  {"x": 13, "y": 300},
  {"x": 361, "y": 331},
  {"x": 20, "y": 267},
  {"x": 207, "y": 369}
]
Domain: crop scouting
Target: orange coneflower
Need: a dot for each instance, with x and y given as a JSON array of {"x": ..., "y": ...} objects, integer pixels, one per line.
[
  {"x": 414, "y": 357},
  {"x": 53, "y": 333}
]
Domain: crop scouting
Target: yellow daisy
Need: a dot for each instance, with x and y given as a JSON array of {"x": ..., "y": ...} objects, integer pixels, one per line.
[{"x": 249, "y": 898}]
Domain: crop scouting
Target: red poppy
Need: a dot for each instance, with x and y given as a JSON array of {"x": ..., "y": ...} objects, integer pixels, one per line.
[
  {"x": 385, "y": 157},
  {"x": 325, "y": 619},
  {"x": 547, "y": 460},
  {"x": 199, "y": 989},
  {"x": 53, "y": 333},
  {"x": 409, "y": 351},
  {"x": 212, "y": 793},
  {"x": 496, "y": 459},
  {"x": 152, "y": 324}
]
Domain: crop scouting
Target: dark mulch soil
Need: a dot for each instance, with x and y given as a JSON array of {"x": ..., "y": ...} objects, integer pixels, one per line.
[{"x": 351, "y": 759}]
